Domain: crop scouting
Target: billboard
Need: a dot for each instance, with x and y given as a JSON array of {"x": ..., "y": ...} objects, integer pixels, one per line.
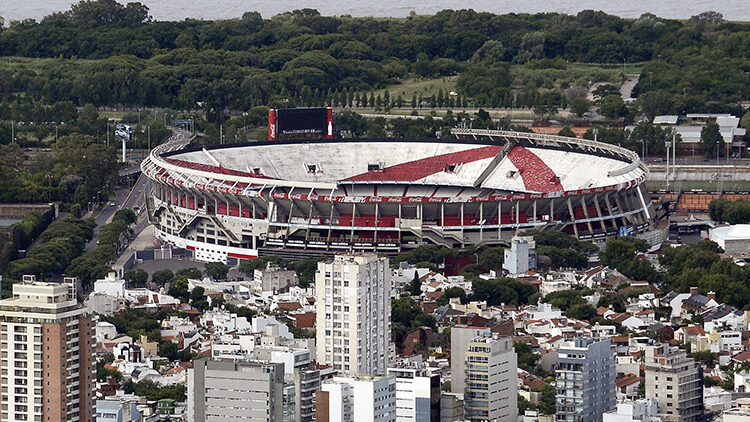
[
  {"x": 293, "y": 123},
  {"x": 123, "y": 132}
]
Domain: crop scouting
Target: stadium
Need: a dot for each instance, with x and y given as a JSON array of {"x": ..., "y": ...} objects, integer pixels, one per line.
[{"x": 233, "y": 202}]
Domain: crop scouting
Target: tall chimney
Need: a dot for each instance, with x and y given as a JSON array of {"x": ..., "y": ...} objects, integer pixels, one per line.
[{"x": 693, "y": 291}]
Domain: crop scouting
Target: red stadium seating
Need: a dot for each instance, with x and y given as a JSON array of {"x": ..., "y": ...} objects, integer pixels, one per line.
[
  {"x": 213, "y": 169},
  {"x": 367, "y": 220},
  {"x": 418, "y": 169},
  {"x": 536, "y": 175}
]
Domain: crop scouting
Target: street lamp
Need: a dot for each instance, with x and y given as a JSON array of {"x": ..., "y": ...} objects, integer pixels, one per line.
[
  {"x": 643, "y": 148},
  {"x": 717, "y": 153}
]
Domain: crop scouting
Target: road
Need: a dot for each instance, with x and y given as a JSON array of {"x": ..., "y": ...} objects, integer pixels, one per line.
[
  {"x": 106, "y": 213},
  {"x": 136, "y": 198},
  {"x": 626, "y": 89}
]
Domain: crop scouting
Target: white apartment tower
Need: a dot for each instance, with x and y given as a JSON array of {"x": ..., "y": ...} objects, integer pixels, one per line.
[
  {"x": 352, "y": 300},
  {"x": 417, "y": 393},
  {"x": 491, "y": 392},
  {"x": 48, "y": 365},
  {"x": 356, "y": 399}
]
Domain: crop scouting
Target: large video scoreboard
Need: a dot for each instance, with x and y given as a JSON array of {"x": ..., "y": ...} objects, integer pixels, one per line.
[{"x": 297, "y": 123}]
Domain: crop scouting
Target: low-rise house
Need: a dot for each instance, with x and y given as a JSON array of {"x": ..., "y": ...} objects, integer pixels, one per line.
[
  {"x": 682, "y": 302},
  {"x": 551, "y": 286},
  {"x": 627, "y": 385},
  {"x": 273, "y": 278},
  {"x": 723, "y": 317}
]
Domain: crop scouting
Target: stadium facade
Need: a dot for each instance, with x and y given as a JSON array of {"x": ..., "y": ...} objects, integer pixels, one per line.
[{"x": 229, "y": 202}]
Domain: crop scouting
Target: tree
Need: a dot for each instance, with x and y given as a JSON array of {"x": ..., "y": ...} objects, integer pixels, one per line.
[
  {"x": 126, "y": 215},
  {"x": 179, "y": 289},
  {"x": 745, "y": 122},
  {"x": 738, "y": 212},
  {"x": 712, "y": 143},
  {"x": 136, "y": 277},
  {"x": 89, "y": 13},
  {"x": 405, "y": 315},
  {"x": 605, "y": 90},
  {"x": 612, "y": 106},
  {"x": 491, "y": 258},
  {"x": 450, "y": 293},
  {"x": 87, "y": 118},
  {"x": 580, "y": 105},
  {"x": 491, "y": 52},
  {"x": 216, "y": 270},
  {"x": 162, "y": 277},
  {"x": 192, "y": 273},
  {"x": 566, "y": 131},
  {"x": 415, "y": 287},
  {"x": 527, "y": 359},
  {"x": 198, "y": 298},
  {"x": 706, "y": 357},
  {"x": 618, "y": 251},
  {"x": 502, "y": 290}
]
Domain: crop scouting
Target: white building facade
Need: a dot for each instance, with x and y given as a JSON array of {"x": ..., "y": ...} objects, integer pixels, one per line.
[
  {"x": 353, "y": 314},
  {"x": 491, "y": 380},
  {"x": 358, "y": 399},
  {"x": 417, "y": 393}
]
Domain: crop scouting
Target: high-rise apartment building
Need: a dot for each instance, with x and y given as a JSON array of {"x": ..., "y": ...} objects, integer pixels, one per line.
[
  {"x": 48, "y": 346},
  {"x": 417, "y": 393},
  {"x": 242, "y": 391},
  {"x": 585, "y": 378},
  {"x": 461, "y": 336},
  {"x": 301, "y": 380},
  {"x": 353, "y": 314},
  {"x": 491, "y": 380},
  {"x": 675, "y": 381}
]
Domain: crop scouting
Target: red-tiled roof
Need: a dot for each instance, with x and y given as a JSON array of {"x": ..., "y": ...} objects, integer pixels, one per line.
[
  {"x": 291, "y": 306},
  {"x": 741, "y": 357},
  {"x": 626, "y": 380},
  {"x": 694, "y": 330},
  {"x": 434, "y": 295},
  {"x": 306, "y": 320}
]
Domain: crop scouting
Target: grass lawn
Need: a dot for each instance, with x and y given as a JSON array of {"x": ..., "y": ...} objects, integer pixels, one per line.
[
  {"x": 113, "y": 115},
  {"x": 427, "y": 87}
]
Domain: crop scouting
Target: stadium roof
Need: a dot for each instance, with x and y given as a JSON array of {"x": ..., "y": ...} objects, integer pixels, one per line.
[{"x": 448, "y": 163}]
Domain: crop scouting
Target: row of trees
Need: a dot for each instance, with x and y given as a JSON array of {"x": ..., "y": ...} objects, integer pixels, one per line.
[
  {"x": 701, "y": 265},
  {"x": 77, "y": 169},
  {"x": 95, "y": 264},
  {"x": 20, "y": 235},
  {"x": 732, "y": 212},
  {"x": 58, "y": 246}
]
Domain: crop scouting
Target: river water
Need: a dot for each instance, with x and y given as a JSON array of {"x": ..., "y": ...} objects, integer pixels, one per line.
[{"x": 736, "y": 10}]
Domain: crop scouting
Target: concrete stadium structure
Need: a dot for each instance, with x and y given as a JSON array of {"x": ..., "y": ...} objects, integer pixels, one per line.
[{"x": 236, "y": 201}]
